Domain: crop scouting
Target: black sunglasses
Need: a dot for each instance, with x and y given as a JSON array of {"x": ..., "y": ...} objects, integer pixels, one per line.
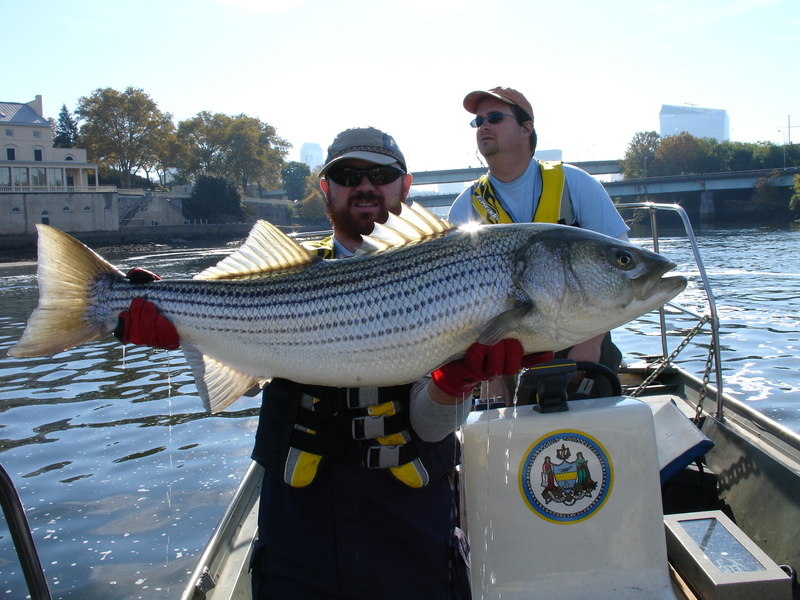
[
  {"x": 492, "y": 117},
  {"x": 351, "y": 177}
]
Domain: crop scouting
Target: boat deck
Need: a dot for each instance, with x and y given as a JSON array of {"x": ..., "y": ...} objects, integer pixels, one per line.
[
  {"x": 226, "y": 559},
  {"x": 752, "y": 474}
]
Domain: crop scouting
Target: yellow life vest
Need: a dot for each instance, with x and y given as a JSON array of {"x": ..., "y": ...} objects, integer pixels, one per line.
[
  {"x": 301, "y": 465},
  {"x": 301, "y": 427},
  {"x": 322, "y": 248},
  {"x": 554, "y": 204}
]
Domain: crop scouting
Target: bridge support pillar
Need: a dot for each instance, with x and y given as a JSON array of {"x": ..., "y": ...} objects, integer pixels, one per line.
[{"x": 706, "y": 206}]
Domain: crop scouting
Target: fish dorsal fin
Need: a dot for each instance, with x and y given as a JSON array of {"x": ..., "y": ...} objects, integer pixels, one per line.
[
  {"x": 266, "y": 249},
  {"x": 219, "y": 385},
  {"x": 425, "y": 220},
  {"x": 413, "y": 224},
  {"x": 372, "y": 244},
  {"x": 401, "y": 226},
  {"x": 390, "y": 234}
]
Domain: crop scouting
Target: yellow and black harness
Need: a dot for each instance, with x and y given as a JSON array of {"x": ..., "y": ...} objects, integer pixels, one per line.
[
  {"x": 302, "y": 426},
  {"x": 322, "y": 248},
  {"x": 555, "y": 205}
]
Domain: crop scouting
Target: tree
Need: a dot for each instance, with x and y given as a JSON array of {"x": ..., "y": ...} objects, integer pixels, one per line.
[
  {"x": 122, "y": 129},
  {"x": 241, "y": 148},
  {"x": 203, "y": 141},
  {"x": 734, "y": 156},
  {"x": 167, "y": 157},
  {"x": 255, "y": 154},
  {"x": 66, "y": 130},
  {"x": 313, "y": 205},
  {"x": 769, "y": 200},
  {"x": 216, "y": 200},
  {"x": 794, "y": 201},
  {"x": 682, "y": 154},
  {"x": 160, "y": 156},
  {"x": 769, "y": 156},
  {"x": 294, "y": 176},
  {"x": 640, "y": 152}
]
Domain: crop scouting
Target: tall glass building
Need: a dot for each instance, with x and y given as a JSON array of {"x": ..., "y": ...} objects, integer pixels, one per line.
[{"x": 699, "y": 122}]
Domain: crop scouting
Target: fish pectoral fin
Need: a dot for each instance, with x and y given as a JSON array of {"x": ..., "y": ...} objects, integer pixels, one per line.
[
  {"x": 504, "y": 323},
  {"x": 219, "y": 384},
  {"x": 266, "y": 250}
]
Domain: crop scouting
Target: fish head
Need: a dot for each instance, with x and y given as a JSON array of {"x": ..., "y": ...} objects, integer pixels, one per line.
[{"x": 582, "y": 283}]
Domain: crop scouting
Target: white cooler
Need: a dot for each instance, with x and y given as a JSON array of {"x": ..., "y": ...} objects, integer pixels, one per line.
[{"x": 566, "y": 504}]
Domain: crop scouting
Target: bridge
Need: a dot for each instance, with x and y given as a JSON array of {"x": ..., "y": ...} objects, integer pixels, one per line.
[
  {"x": 630, "y": 189},
  {"x": 599, "y": 167},
  {"x": 708, "y": 182}
]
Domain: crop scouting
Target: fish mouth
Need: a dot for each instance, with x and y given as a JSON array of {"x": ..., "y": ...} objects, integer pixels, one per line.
[{"x": 657, "y": 283}]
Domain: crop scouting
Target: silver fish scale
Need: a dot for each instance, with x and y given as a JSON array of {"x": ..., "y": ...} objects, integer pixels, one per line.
[{"x": 406, "y": 310}]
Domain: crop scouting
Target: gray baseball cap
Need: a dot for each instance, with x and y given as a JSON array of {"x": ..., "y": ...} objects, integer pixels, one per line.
[{"x": 364, "y": 143}]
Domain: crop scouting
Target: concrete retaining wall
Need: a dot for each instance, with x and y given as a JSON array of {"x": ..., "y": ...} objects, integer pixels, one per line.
[{"x": 140, "y": 235}]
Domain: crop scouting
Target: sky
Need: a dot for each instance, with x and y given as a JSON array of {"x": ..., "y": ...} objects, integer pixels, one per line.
[{"x": 596, "y": 73}]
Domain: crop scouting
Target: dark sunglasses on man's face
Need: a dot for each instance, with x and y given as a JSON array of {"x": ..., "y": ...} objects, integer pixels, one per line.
[
  {"x": 351, "y": 177},
  {"x": 493, "y": 117}
]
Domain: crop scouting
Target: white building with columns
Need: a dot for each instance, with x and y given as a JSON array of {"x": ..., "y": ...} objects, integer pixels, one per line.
[{"x": 58, "y": 187}]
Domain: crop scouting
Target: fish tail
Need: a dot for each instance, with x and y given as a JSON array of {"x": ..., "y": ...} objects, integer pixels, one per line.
[{"x": 62, "y": 320}]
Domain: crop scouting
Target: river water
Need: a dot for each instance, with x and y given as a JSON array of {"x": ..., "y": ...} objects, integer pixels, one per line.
[{"x": 123, "y": 475}]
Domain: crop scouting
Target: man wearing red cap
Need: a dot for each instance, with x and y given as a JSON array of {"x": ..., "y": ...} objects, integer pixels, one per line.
[{"x": 520, "y": 188}]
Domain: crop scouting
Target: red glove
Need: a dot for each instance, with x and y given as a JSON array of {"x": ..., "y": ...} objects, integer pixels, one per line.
[
  {"x": 481, "y": 363},
  {"x": 139, "y": 276},
  {"x": 142, "y": 324}
]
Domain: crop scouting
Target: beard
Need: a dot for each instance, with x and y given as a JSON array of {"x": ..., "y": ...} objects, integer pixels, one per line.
[{"x": 354, "y": 223}]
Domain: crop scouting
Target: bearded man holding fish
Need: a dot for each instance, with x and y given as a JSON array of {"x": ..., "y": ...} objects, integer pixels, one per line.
[
  {"x": 359, "y": 475},
  {"x": 374, "y": 516}
]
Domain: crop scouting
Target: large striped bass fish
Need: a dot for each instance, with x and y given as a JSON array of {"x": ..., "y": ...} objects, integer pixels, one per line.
[{"x": 419, "y": 297}]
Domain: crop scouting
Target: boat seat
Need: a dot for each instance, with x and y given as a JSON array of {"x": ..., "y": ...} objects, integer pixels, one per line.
[{"x": 680, "y": 443}]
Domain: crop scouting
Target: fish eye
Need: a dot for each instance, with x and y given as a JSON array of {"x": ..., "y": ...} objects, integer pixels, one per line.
[{"x": 625, "y": 260}]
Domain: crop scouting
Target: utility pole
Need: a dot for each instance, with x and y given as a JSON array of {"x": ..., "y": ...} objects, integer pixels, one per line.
[
  {"x": 787, "y": 138},
  {"x": 789, "y": 129}
]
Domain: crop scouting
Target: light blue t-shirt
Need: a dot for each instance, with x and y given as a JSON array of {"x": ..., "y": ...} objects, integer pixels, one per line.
[{"x": 591, "y": 203}]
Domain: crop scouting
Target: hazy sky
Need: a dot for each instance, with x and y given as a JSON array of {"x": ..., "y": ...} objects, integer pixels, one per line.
[{"x": 595, "y": 72}]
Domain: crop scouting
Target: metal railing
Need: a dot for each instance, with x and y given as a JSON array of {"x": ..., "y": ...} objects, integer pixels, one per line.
[
  {"x": 23, "y": 540},
  {"x": 57, "y": 189},
  {"x": 712, "y": 318}
]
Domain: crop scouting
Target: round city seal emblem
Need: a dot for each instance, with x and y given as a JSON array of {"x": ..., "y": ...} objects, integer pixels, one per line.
[{"x": 566, "y": 476}]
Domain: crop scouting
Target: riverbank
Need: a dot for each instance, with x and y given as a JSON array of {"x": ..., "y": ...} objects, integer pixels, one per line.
[
  {"x": 22, "y": 247},
  {"x": 28, "y": 253}
]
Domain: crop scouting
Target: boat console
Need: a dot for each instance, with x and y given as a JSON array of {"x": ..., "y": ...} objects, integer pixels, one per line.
[{"x": 565, "y": 503}]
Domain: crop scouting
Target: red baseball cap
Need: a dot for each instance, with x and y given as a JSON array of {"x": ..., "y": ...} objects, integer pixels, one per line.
[{"x": 506, "y": 94}]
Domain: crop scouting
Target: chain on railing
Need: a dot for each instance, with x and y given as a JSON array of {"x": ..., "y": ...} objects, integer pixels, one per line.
[
  {"x": 668, "y": 361},
  {"x": 704, "y": 387}
]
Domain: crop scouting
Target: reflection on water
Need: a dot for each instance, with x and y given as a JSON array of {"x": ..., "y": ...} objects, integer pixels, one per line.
[
  {"x": 121, "y": 472},
  {"x": 755, "y": 275},
  {"x": 124, "y": 476}
]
